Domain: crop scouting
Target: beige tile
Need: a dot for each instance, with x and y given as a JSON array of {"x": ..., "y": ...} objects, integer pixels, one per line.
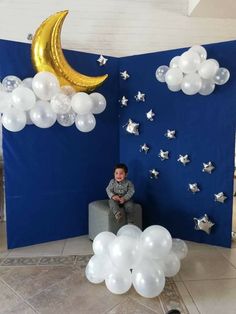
[
  {"x": 229, "y": 254},
  {"x": 214, "y": 296},
  {"x": 8, "y": 299},
  {"x": 4, "y": 254},
  {"x": 131, "y": 306},
  {"x": 200, "y": 265},
  {"x": 22, "y": 308},
  {"x": 193, "y": 246},
  {"x": 187, "y": 299},
  {"x": 79, "y": 245}
]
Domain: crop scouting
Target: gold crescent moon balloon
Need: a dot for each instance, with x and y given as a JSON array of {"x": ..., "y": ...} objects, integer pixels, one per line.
[{"x": 47, "y": 55}]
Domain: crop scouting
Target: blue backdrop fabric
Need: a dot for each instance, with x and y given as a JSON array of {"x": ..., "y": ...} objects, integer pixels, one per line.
[{"x": 52, "y": 174}]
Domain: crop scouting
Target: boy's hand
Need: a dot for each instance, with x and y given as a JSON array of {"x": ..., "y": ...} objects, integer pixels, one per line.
[
  {"x": 116, "y": 198},
  {"x": 122, "y": 200}
]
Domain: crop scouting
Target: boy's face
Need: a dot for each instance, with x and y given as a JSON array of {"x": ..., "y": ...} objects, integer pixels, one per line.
[{"x": 119, "y": 174}]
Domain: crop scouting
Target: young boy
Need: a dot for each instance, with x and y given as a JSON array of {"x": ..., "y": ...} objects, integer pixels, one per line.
[{"x": 120, "y": 190}]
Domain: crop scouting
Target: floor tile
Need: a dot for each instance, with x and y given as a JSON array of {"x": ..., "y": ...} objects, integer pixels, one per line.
[
  {"x": 22, "y": 308},
  {"x": 8, "y": 299},
  {"x": 131, "y": 306},
  {"x": 229, "y": 254},
  {"x": 187, "y": 299},
  {"x": 214, "y": 296},
  {"x": 79, "y": 245}
]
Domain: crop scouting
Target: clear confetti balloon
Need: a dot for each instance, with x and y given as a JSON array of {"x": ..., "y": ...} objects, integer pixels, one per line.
[
  {"x": 222, "y": 76},
  {"x": 161, "y": 72},
  {"x": 66, "y": 119},
  {"x": 10, "y": 82},
  {"x": 60, "y": 103},
  {"x": 68, "y": 90}
]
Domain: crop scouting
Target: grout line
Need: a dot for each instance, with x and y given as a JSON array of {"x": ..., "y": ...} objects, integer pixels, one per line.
[{"x": 191, "y": 298}]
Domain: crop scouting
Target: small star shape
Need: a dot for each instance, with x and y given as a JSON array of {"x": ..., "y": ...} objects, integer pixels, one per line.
[
  {"x": 144, "y": 148},
  {"x": 101, "y": 60},
  {"x": 124, "y": 101},
  {"x": 154, "y": 174},
  {"x": 208, "y": 167},
  {"x": 140, "y": 96},
  {"x": 203, "y": 224},
  {"x": 220, "y": 197},
  {"x": 170, "y": 134},
  {"x": 30, "y": 37},
  {"x": 132, "y": 127},
  {"x": 125, "y": 75},
  {"x": 150, "y": 114},
  {"x": 164, "y": 154},
  {"x": 193, "y": 187},
  {"x": 183, "y": 159}
]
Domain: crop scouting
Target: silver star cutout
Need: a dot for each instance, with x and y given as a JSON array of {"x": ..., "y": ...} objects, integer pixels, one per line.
[
  {"x": 203, "y": 224},
  {"x": 183, "y": 159},
  {"x": 124, "y": 101},
  {"x": 170, "y": 134},
  {"x": 132, "y": 127},
  {"x": 144, "y": 148},
  {"x": 193, "y": 187},
  {"x": 220, "y": 197},
  {"x": 150, "y": 114},
  {"x": 164, "y": 154},
  {"x": 154, "y": 174},
  {"x": 125, "y": 75},
  {"x": 30, "y": 37},
  {"x": 101, "y": 60},
  {"x": 208, "y": 167},
  {"x": 140, "y": 96}
]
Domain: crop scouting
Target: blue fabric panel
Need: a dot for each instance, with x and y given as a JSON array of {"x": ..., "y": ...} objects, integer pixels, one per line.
[
  {"x": 52, "y": 174},
  {"x": 205, "y": 127}
]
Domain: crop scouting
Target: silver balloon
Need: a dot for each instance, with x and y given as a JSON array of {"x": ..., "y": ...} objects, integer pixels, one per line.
[
  {"x": 10, "y": 82},
  {"x": 222, "y": 76},
  {"x": 99, "y": 103},
  {"x": 66, "y": 119},
  {"x": 42, "y": 115},
  {"x": 204, "y": 224},
  {"x": 207, "y": 87},
  {"x": 179, "y": 247},
  {"x": 86, "y": 122},
  {"x": 161, "y": 72},
  {"x": 132, "y": 127},
  {"x": 14, "y": 119}
]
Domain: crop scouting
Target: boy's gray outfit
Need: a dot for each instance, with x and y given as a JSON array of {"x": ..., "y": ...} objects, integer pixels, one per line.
[{"x": 125, "y": 189}]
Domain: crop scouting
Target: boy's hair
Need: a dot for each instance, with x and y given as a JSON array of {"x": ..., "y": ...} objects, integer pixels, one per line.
[{"x": 121, "y": 166}]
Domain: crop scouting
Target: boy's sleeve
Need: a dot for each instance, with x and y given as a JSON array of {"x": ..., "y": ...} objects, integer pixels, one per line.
[
  {"x": 110, "y": 189},
  {"x": 130, "y": 191}
]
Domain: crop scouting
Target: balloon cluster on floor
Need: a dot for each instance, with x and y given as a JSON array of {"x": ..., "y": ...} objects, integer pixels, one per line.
[
  {"x": 143, "y": 259},
  {"x": 193, "y": 73},
  {"x": 41, "y": 101}
]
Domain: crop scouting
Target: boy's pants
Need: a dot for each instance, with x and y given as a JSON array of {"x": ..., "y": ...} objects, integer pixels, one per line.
[{"x": 127, "y": 207}]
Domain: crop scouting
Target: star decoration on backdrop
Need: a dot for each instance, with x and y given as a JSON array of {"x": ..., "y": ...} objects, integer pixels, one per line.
[
  {"x": 208, "y": 167},
  {"x": 170, "y": 134},
  {"x": 164, "y": 155},
  {"x": 140, "y": 96},
  {"x": 30, "y": 37},
  {"x": 193, "y": 187},
  {"x": 132, "y": 127},
  {"x": 204, "y": 224},
  {"x": 220, "y": 197},
  {"x": 101, "y": 60},
  {"x": 150, "y": 114},
  {"x": 154, "y": 174},
  {"x": 124, "y": 101},
  {"x": 183, "y": 159},
  {"x": 125, "y": 75},
  {"x": 144, "y": 148}
]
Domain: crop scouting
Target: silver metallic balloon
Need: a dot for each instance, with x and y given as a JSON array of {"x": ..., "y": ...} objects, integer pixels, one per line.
[
  {"x": 220, "y": 197},
  {"x": 170, "y": 134},
  {"x": 132, "y": 127},
  {"x": 204, "y": 224},
  {"x": 140, "y": 96},
  {"x": 154, "y": 174},
  {"x": 102, "y": 60},
  {"x": 183, "y": 159},
  {"x": 150, "y": 114},
  {"x": 208, "y": 167},
  {"x": 193, "y": 187},
  {"x": 164, "y": 155},
  {"x": 124, "y": 101},
  {"x": 144, "y": 148},
  {"x": 124, "y": 75}
]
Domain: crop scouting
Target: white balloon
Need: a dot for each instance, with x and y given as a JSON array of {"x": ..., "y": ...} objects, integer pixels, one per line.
[
  {"x": 156, "y": 242},
  {"x": 189, "y": 62},
  {"x": 60, "y": 103},
  {"x": 174, "y": 76},
  {"x": 42, "y": 115},
  {"x": 27, "y": 82},
  {"x": 207, "y": 87},
  {"x": 179, "y": 247},
  {"x": 161, "y": 72},
  {"x": 171, "y": 265},
  {"x": 208, "y": 69},
  {"x": 118, "y": 281},
  {"x": 45, "y": 85},
  {"x": 1, "y": 87},
  {"x": 174, "y": 88},
  {"x": 222, "y": 76},
  {"x": 97, "y": 268},
  {"x": 5, "y": 101},
  {"x": 14, "y": 119},
  {"x": 201, "y": 52},
  {"x": 23, "y": 98},
  {"x": 28, "y": 119},
  {"x": 191, "y": 84},
  {"x": 102, "y": 241},
  {"x": 10, "y": 82},
  {"x": 174, "y": 62},
  {"x": 131, "y": 231},
  {"x": 99, "y": 103},
  {"x": 68, "y": 90},
  {"x": 86, "y": 122},
  {"x": 82, "y": 103},
  {"x": 66, "y": 119}
]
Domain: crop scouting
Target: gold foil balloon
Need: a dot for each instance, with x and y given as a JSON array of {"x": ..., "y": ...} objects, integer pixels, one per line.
[{"x": 47, "y": 55}]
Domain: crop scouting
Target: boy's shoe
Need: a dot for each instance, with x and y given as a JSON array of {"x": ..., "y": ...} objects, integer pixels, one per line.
[{"x": 173, "y": 312}]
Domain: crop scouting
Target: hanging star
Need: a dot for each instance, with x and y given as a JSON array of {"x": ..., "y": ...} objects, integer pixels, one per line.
[
  {"x": 170, "y": 134},
  {"x": 101, "y": 60},
  {"x": 220, "y": 197},
  {"x": 164, "y": 154},
  {"x": 183, "y": 159},
  {"x": 193, "y": 187},
  {"x": 208, "y": 167},
  {"x": 150, "y": 114},
  {"x": 132, "y": 127},
  {"x": 125, "y": 75},
  {"x": 203, "y": 224},
  {"x": 144, "y": 148},
  {"x": 124, "y": 101},
  {"x": 140, "y": 96},
  {"x": 30, "y": 37},
  {"x": 154, "y": 174}
]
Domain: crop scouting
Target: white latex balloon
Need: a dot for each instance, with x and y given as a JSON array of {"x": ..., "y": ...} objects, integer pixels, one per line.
[
  {"x": 82, "y": 103},
  {"x": 99, "y": 103},
  {"x": 97, "y": 268},
  {"x": 102, "y": 241},
  {"x": 27, "y": 82},
  {"x": 161, "y": 72},
  {"x": 5, "y": 101},
  {"x": 201, "y": 52},
  {"x": 118, "y": 281},
  {"x": 174, "y": 76},
  {"x": 28, "y": 119},
  {"x": 191, "y": 84},
  {"x": 86, "y": 122},
  {"x": 66, "y": 119},
  {"x": 156, "y": 242},
  {"x": 208, "y": 69},
  {"x": 174, "y": 62},
  {"x": 148, "y": 279},
  {"x": 179, "y": 247},
  {"x": 174, "y": 88},
  {"x": 131, "y": 231},
  {"x": 171, "y": 265},
  {"x": 189, "y": 62},
  {"x": 60, "y": 103},
  {"x": 45, "y": 85},
  {"x": 23, "y": 98},
  {"x": 207, "y": 87},
  {"x": 1, "y": 87},
  {"x": 222, "y": 76},
  {"x": 14, "y": 119},
  {"x": 42, "y": 115},
  {"x": 10, "y": 82}
]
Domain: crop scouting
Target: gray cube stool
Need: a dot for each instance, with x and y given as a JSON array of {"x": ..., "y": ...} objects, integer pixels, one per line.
[{"x": 102, "y": 219}]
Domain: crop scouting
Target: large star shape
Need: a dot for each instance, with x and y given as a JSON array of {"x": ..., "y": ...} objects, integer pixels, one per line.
[
  {"x": 154, "y": 174},
  {"x": 125, "y": 75},
  {"x": 203, "y": 224},
  {"x": 101, "y": 60},
  {"x": 124, "y": 101},
  {"x": 208, "y": 167},
  {"x": 220, "y": 197},
  {"x": 164, "y": 155},
  {"x": 140, "y": 96},
  {"x": 132, "y": 127},
  {"x": 144, "y": 148},
  {"x": 183, "y": 159},
  {"x": 193, "y": 187},
  {"x": 170, "y": 134},
  {"x": 150, "y": 114}
]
